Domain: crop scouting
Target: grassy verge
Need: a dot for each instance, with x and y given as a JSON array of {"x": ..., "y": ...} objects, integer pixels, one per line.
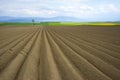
[
  {"x": 17, "y": 24},
  {"x": 57, "y": 24}
]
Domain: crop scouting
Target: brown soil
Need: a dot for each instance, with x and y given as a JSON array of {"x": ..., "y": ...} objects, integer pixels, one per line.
[{"x": 60, "y": 53}]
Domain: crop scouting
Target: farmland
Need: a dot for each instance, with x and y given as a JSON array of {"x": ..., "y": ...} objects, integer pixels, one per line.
[
  {"x": 60, "y": 24},
  {"x": 38, "y": 52}
]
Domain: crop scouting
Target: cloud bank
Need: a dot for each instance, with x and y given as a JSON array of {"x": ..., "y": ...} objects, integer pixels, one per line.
[{"x": 84, "y": 9}]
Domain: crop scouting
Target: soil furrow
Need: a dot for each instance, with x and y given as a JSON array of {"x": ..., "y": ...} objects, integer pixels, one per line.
[
  {"x": 94, "y": 50},
  {"x": 107, "y": 69},
  {"x": 59, "y": 53},
  {"x": 13, "y": 52},
  {"x": 69, "y": 72},
  {"x": 29, "y": 69},
  {"x": 11, "y": 71},
  {"x": 13, "y": 43}
]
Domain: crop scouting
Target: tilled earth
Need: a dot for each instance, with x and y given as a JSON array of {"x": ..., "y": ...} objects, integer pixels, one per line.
[{"x": 59, "y": 53}]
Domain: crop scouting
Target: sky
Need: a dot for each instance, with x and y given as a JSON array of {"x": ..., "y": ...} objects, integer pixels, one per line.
[{"x": 82, "y": 9}]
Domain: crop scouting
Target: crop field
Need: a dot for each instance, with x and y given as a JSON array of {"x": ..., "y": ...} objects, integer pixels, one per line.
[
  {"x": 59, "y": 24},
  {"x": 40, "y": 52}
]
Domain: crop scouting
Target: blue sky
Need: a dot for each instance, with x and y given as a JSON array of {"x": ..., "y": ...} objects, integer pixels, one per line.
[{"x": 82, "y": 9}]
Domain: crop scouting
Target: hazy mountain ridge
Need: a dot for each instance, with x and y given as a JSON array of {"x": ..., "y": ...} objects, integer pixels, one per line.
[{"x": 37, "y": 19}]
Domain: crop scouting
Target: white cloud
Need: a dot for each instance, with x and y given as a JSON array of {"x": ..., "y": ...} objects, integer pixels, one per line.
[
  {"x": 114, "y": 8},
  {"x": 31, "y": 13},
  {"x": 82, "y": 10},
  {"x": 51, "y": 8},
  {"x": 107, "y": 8},
  {"x": 77, "y": 8},
  {"x": 79, "y": 11}
]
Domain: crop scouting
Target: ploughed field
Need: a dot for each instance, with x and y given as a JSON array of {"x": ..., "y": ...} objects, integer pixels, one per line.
[{"x": 59, "y": 53}]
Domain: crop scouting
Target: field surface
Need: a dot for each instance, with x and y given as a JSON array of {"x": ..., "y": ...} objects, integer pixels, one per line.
[{"x": 59, "y": 53}]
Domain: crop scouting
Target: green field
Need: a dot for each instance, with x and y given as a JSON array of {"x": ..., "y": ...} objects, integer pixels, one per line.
[{"x": 63, "y": 24}]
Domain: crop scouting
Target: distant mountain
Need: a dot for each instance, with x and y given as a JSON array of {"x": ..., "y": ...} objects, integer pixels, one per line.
[
  {"x": 5, "y": 18},
  {"x": 37, "y": 19}
]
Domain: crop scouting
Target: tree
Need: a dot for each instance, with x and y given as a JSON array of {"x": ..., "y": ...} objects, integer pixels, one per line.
[{"x": 33, "y": 21}]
